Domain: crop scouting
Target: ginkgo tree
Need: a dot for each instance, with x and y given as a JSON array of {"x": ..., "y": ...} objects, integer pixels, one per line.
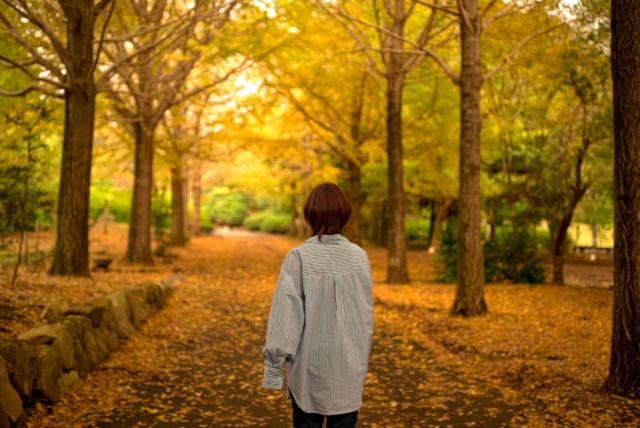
[
  {"x": 392, "y": 37},
  {"x": 56, "y": 49},
  {"x": 175, "y": 36},
  {"x": 344, "y": 116}
]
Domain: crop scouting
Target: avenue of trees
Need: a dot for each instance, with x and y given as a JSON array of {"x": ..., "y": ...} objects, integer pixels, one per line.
[{"x": 472, "y": 125}]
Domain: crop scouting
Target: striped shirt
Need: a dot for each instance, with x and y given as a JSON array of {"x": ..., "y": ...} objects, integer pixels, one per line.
[{"x": 321, "y": 326}]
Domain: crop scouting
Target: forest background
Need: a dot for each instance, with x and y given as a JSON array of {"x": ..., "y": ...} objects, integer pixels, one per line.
[{"x": 247, "y": 105}]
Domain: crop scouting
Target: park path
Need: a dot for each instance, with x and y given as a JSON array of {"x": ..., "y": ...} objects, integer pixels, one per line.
[{"x": 198, "y": 364}]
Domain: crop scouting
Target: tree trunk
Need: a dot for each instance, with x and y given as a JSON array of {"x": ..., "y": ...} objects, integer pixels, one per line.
[
  {"x": 71, "y": 255},
  {"x": 396, "y": 242},
  {"x": 432, "y": 222},
  {"x": 624, "y": 370},
  {"x": 560, "y": 246},
  {"x": 196, "y": 190},
  {"x": 355, "y": 224},
  {"x": 177, "y": 207},
  {"x": 384, "y": 225},
  {"x": 301, "y": 222},
  {"x": 185, "y": 206},
  {"x": 139, "y": 243},
  {"x": 470, "y": 289},
  {"x": 443, "y": 212},
  {"x": 374, "y": 222},
  {"x": 594, "y": 234}
]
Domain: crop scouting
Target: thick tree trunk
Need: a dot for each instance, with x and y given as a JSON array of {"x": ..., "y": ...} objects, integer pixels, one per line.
[
  {"x": 71, "y": 255},
  {"x": 196, "y": 190},
  {"x": 396, "y": 242},
  {"x": 470, "y": 289},
  {"x": 624, "y": 370},
  {"x": 177, "y": 207},
  {"x": 355, "y": 224},
  {"x": 139, "y": 243}
]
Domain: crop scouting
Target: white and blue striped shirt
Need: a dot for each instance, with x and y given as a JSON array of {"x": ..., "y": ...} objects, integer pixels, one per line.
[{"x": 321, "y": 325}]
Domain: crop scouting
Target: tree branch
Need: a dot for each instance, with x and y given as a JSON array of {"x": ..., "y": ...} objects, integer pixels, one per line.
[
  {"x": 444, "y": 65},
  {"x": 43, "y": 25},
  {"x": 102, "y": 34},
  {"x": 465, "y": 15},
  {"x": 30, "y": 87},
  {"x": 519, "y": 46},
  {"x": 437, "y": 7},
  {"x": 22, "y": 66},
  {"x": 501, "y": 13},
  {"x": 32, "y": 51}
]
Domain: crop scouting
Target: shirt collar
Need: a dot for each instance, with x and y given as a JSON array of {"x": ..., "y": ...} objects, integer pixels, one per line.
[{"x": 327, "y": 239}]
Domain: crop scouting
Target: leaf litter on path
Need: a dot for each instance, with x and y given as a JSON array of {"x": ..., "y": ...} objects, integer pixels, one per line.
[{"x": 537, "y": 360}]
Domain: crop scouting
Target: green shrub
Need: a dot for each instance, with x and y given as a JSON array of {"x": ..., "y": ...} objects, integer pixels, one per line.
[
  {"x": 417, "y": 229},
  {"x": 543, "y": 237},
  {"x": 229, "y": 209},
  {"x": 268, "y": 221},
  {"x": 512, "y": 256},
  {"x": 119, "y": 201},
  {"x": 447, "y": 254},
  {"x": 254, "y": 221},
  {"x": 160, "y": 214},
  {"x": 276, "y": 223},
  {"x": 205, "y": 222}
]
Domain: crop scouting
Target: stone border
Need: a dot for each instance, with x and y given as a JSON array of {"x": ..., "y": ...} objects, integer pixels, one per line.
[{"x": 43, "y": 363}]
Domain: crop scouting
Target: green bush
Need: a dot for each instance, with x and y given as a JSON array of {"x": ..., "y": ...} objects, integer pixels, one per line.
[
  {"x": 511, "y": 256},
  {"x": 417, "y": 229},
  {"x": 268, "y": 221},
  {"x": 276, "y": 223},
  {"x": 229, "y": 209},
  {"x": 205, "y": 222},
  {"x": 119, "y": 201},
  {"x": 254, "y": 221}
]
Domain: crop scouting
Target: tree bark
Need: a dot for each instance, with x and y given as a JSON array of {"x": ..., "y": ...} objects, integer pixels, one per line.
[
  {"x": 624, "y": 369},
  {"x": 355, "y": 224},
  {"x": 185, "y": 206},
  {"x": 441, "y": 215},
  {"x": 432, "y": 222},
  {"x": 177, "y": 207},
  {"x": 396, "y": 242},
  {"x": 384, "y": 225},
  {"x": 594, "y": 234},
  {"x": 196, "y": 190},
  {"x": 470, "y": 288},
  {"x": 301, "y": 222},
  {"x": 71, "y": 254},
  {"x": 139, "y": 243},
  {"x": 374, "y": 223}
]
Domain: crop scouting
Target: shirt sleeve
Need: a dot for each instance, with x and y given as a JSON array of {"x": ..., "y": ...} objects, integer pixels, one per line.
[{"x": 286, "y": 321}]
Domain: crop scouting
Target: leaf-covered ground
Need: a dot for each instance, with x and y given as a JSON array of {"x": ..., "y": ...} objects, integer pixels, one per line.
[{"x": 538, "y": 360}]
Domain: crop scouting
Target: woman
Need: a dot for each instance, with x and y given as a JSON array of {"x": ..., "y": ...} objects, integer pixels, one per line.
[{"x": 321, "y": 319}]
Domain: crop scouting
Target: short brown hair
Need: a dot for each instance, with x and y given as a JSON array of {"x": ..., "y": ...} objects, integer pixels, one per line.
[{"x": 327, "y": 210}]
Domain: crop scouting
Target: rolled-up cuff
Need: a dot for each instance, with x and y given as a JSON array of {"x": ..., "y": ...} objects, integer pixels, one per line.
[{"x": 272, "y": 378}]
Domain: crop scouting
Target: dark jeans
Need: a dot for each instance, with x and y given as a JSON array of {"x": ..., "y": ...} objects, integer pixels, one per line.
[{"x": 314, "y": 420}]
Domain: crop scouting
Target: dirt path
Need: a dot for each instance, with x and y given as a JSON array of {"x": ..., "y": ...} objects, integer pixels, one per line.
[{"x": 198, "y": 362}]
